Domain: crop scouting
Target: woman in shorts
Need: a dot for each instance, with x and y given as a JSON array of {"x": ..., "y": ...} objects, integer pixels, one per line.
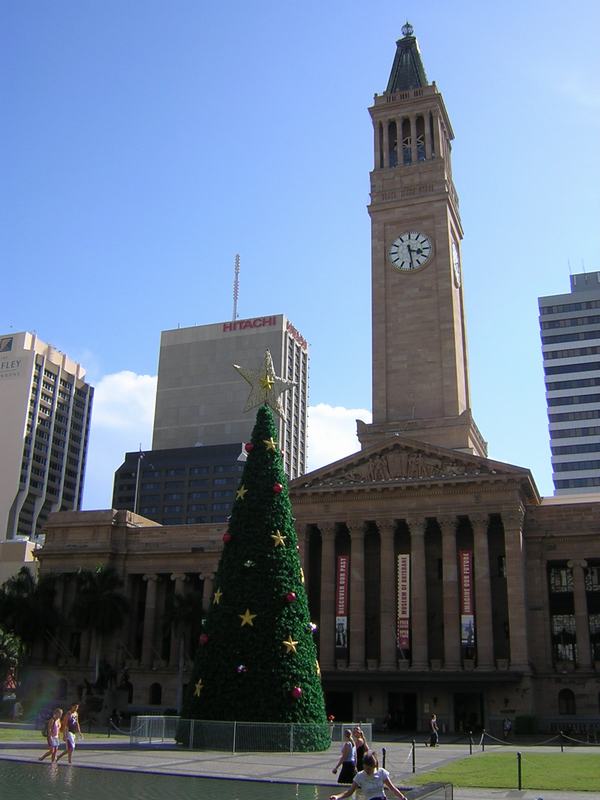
[
  {"x": 52, "y": 734},
  {"x": 372, "y": 781},
  {"x": 70, "y": 730}
]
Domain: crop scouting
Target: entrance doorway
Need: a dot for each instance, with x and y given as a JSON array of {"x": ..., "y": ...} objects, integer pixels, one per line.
[
  {"x": 468, "y": 712},
  {"x": 340, "y": 705},
  {"x": 403, "y": 710}
]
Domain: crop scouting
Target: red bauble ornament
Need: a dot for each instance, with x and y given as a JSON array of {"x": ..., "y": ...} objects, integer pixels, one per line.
[
  {"x": 296, "y": 692},
  {"x": 277, "y": 487},
  {"x": 203, "y": 639},
  {"x": 248, "y": 447},
  {"x": 290, "y": 597},
  {"x": 227, "y": 537}
]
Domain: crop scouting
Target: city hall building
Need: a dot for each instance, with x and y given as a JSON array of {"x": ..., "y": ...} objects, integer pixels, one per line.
[{"x": 440, "y": 580}]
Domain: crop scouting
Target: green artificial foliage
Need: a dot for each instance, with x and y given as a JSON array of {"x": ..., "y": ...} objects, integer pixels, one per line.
[{"x": 244, "y": 672}]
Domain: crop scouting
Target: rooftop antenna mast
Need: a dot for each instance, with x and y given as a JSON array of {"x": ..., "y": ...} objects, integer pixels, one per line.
[{"x": 236, "y": 286}]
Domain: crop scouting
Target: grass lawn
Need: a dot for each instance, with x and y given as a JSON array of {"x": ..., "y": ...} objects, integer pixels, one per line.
[
  {"x": 20, "y": 735},
  {"x": 558, "y": 771}
]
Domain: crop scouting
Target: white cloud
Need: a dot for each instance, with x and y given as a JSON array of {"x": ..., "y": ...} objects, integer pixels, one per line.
[
  {"x": 122, "y": 420},
  {"x": 332, "y": 433},
  {"x": 122, "y": 417}
]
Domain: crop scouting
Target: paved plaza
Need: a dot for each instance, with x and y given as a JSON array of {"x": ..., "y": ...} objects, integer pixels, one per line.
[{"x": 313, "y": 768}]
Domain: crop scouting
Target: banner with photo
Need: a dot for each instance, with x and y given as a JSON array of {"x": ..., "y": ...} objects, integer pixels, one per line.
[
  {"x": 467, "y": 608},
  {"x": 403, "y": 598},
  {"x": 341, "y": 605}
]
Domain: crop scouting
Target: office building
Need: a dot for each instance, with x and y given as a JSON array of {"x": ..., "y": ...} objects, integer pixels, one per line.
[
  {"x": 183, "y": 486},
  {"x": 46, "y": 407},
  {"x": 570, "y": 331},
  {"x": 200, "y": 397}
]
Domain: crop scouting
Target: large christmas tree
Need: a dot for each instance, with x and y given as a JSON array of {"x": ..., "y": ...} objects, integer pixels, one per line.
[{"x": 257, "y": 658}]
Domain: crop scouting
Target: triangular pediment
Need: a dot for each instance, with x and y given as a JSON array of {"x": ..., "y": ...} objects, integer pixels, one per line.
[{"x": 400, "y": 460}]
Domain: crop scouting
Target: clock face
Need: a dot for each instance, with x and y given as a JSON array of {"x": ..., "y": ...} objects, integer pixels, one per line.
[
  {"x": 410, "y": 250},
  {"x": 456, "y": 263}
]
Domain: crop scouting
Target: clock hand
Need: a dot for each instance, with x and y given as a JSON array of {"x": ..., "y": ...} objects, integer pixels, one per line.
[{"x": 410, "y": 253}]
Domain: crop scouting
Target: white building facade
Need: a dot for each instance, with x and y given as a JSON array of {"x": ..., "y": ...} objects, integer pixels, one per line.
[
  {"x": 200, "y": 397},
  {"x": 46, "y": 408},
  {"x": 570, "y": 332}
]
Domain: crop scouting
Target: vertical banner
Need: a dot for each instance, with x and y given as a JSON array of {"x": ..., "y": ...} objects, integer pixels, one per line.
[
  {"x": 467, "y": 615},
  {"x": 403, "y": 610},
  {"x": 341, "y": 606}
]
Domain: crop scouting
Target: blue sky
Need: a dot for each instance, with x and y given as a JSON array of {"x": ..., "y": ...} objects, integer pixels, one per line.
[{"x": 145, "y": 143}]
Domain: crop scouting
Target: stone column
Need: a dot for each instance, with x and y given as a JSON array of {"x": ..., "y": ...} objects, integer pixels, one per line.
[
  {"x": 149, "y": 620},
  {"x": 208, "y": 585},
  {"x": 304, "y": 545},
  {"x": 450, "y": 593},
  {"x": 376, "y": 154},
  {"x": 418, "y": 593},
  {"x": 582, "y": 625},
  {"x": 386, "y": 143},
  {"x": 387, "y": 594},
  {"x": 413, "y": 139},
  {"x": 176, "y": 631},
  {"x": 356, "y": 530},
  {"x": 437, "y": 136},
  {"x": 327, "y": 623},
  {"x": 483, "y": 596},
  {"x": 427, "y": 128},
  {"x": 516, "y": 587}
]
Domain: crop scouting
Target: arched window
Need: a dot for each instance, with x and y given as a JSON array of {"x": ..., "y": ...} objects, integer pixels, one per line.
[
  {"x": 155, "y": 698},
  {"x": 393, "y": 144},
  {"x": 566, "y": 702},
  {"x": 406, "y": 142},
  {"x": 420, "y": 139}
]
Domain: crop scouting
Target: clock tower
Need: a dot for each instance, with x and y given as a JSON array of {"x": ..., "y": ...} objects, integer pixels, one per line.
[{"x": 420, "y": 371}]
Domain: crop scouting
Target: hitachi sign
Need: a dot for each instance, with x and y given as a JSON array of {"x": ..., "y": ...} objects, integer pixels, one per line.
[{"x": 242, "y": 324}]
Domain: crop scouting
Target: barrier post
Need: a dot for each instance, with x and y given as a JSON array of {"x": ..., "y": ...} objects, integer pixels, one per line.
[
  {"x": 519, "y": 771},
  {"x": 383, "y": 753},
  {"x": 470, "y": 743},
  {"x": 562, "y": 742},
  {"x": 414, "y": 755},
  {"x": 483, "y": 741}
]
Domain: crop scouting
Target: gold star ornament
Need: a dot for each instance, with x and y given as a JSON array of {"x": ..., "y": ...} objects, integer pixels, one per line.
[
  {"x": 198, "y": 687},
  {"x": 247, "y": 618},
  {"x": 270, "y": 444},
  {"x": 278, "y": 539},
  {"x": 217, "y": 597},
  {"x": 241, "y": 492},
  {"x": 265, "y": 386},
  {"x": 290, "y": 644}
]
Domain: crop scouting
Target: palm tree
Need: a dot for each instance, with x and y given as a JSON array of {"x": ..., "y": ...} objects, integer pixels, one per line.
[
  {"x": 101, "y": 607},
  {"x": 184, "y": 616},
  {"x": 27, "y": 607},
  {"x": 11, "y": 650}
]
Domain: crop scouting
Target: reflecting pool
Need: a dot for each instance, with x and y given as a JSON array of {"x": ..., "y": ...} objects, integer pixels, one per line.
[{"x": 27, "y": 781}]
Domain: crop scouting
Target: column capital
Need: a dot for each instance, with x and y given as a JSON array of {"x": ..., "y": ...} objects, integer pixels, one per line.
[
  {"x": 385, "y": 525},
  {"x": 356, "y": 528},
  {"x": 479, "y": 522},
  {"x": 447, "y": 523},
  {"x": 578, "y": 562},
  {"x": 178, "y": 576},
  {"x": 327, "y": 529},
  {"x": 416, "y": 525},
  {"x": 206, "y": 576},
  {"x": 150, "y": 577},
  {"x": 514, "y": 518}
]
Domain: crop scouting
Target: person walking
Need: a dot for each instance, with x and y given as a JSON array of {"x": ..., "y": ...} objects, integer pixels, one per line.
[
  {"x": 372, "y": 781},
  {"x": 361, "y": 746},
  {"x": 70, "y": 730},
  {"x": 434, "y": 731},
  {"x": 52, "y": 734},
  {"x": 347, "y": 759}
]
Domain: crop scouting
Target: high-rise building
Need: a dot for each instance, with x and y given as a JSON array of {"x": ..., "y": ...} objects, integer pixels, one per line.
[
  {"x": 570, "y": 331},
  {"x": 46, "y": 408},
  {"x": 183, "y": 486},
  {"x": 200, "y": 397}
]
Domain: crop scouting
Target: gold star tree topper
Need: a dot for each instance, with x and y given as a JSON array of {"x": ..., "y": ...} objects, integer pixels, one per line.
[{"x": 265, "y": 386}]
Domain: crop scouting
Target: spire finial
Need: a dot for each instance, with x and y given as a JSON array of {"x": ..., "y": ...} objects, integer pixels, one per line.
[{"x": 407, "y": 29}]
